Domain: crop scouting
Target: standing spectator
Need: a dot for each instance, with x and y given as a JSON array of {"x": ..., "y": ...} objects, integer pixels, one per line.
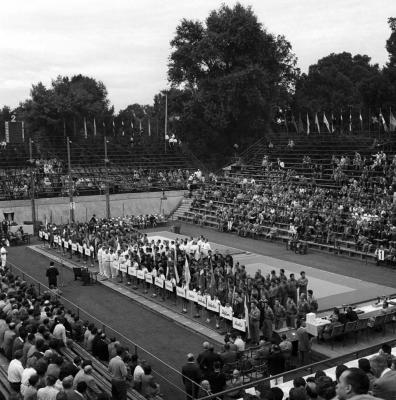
[
  {"x": 59, "y": 332},
  {"x": 52, "y": 275},
  {"x": 137, "y": 376},
  {"x": 384, "y": 386},
  {"x": 302, "y": 284},
  {"x": 254, "y": 321},
  {"x": 3, "y": 255},
  {"x": 48, "y": 392},
  {"x": 15, "y": 371},
  {"x": 216, "y": 378},
  {"x": 101, "y": 348},
  {"x": 312, "y": 302},
  {"x": 276, "y": 362},
  {"x": 304, "y": 343},
  {"x": 364, "y": 365},
  {"x": 31, "y": 389},
  {"x": 355, "y": 384},
  {"x": 191, "y": 375},
  {"x": 286, "y": 348},
  {"x": 149, "y": 387},
  {"x": 112, "y": 347},
  {"x": 85, "y": 375},
  {"x": 325, "y": 388},
  {"x": 9, "y": 337},
  {"x": 118, "y": 372}
]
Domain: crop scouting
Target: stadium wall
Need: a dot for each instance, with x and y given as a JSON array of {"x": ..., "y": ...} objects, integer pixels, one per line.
[{"x": 57, "y": 208}]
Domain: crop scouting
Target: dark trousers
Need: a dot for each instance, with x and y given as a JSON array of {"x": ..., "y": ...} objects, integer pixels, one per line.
[
  {"x": 118, "y": 389},
  {"x": 15, "y": 386}
]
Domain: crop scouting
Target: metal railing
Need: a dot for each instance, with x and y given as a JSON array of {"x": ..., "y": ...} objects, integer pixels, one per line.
[
  {"x": 302, "y": 371},
  {"x": 170, "y": 379}
]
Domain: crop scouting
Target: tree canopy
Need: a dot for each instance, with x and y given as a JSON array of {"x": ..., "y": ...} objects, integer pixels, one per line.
[
  {"x": 64, "y": 105},
  {"x": 234, "y": 73}
]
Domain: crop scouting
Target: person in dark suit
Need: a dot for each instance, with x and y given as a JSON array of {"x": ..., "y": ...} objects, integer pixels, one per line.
[
  {"x": 351, "y": 315},
  {"x": 384, "y": 386},
  {"x": 276, "y": 362},
  {"x": 192, "y": 377},
  {"x": 208, "y": 360}
]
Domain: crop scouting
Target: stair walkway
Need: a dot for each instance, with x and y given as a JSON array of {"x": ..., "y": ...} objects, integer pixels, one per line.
[{"x": 182, "y": 209}]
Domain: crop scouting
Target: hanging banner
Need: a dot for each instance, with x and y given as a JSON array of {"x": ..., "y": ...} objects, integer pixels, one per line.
[
  {"x": 140, "y": 274},
  {"x": 132, "y": 271},
  {"x": 169, "y": 286},
  {"x": 226, "y": 312},
  {"x": 159, "y": 282},
  {"x": 213, "y": 305},
  {"x": 181, "y": 292},
  {"x": 149, "y": 278},
  {"x": 192, "y": 295},
  {"x": 202, "y": 300},
  {"x": 239, "y": 324}
]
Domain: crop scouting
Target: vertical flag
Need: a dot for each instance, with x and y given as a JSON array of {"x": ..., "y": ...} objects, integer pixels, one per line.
[
  {"x": 350, "y": 121},
  {"x": 149, "y": 127},
  {"x": 94, "y": 127},
  {"x": 308, "y": 131},
  {"x": 317, "y": 122},
  {"x": 332, "y": 123},
  {"x": 361, "y": 120},
  {"x": 186, "y": 273},
  {"x": 294, "y": 123},
  {"x": 140, "y": 127},
  {"x": 383, "y": 121},
  {"x": 113, "y": 128},
  {"x": 104, "y": 128},
  {"x": 326, "y": 122},
  {"x": 85, "y": 129},
  {"x": 392, "y": 122},
  {"x": 300, "y": 124},
  {"x": 123, "y": 132},
  {"x": 247, "y": 317},
  {"x": 175, "y": 268},
  {"x": 341, "y": 122}
]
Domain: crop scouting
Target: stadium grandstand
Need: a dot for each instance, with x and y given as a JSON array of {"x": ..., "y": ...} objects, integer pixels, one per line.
[{"x": 235, "y": 240}]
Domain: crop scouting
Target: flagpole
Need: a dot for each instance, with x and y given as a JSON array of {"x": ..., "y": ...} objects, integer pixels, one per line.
[{"x": 166, "y": 119}]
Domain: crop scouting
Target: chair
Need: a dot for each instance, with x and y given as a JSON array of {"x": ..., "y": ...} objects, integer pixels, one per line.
[
  {"x": 338, "y": 330},
  {"x": 361, "y": 325},
  {"x": 388, "y": 319},
  {"x": 349, "y": 327},
  {"x": 378, "y": 323}
]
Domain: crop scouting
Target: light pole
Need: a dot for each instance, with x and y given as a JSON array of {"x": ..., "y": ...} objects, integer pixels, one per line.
[
  {"x": 71, "y": 202},
  {"x": 106, "y": 161},
  {"x": 32, "y": 185}
]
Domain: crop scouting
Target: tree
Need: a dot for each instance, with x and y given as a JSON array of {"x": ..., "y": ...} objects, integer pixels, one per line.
[
  {"x": 334, "y": 83},
  {"x": 64, "y": 105},
  {"x": 233, "y": 73}
]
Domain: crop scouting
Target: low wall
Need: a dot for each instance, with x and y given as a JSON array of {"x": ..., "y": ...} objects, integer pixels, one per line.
[{"x": 57, "y": 208}]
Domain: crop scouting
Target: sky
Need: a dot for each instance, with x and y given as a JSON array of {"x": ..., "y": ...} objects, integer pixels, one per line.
[{"x": 125, "y": 43}]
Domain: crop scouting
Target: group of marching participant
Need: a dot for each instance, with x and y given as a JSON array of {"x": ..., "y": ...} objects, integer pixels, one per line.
[{"x": 187, "y": 268}]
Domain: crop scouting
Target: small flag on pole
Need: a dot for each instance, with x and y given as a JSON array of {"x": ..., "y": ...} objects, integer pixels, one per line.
[
  {"x": 94, "y": 126},
  {"x": 187, "y": 274},
  {"x": 247, "y": 317},
  {"x": 317, "y": 122},
  {"x": 332, "y": 123},
  {"x": 85, "y": 129},
  {"x": 350, "y": 121},
  {"x": 392, "y": 122},
  {"x": 149, "y": 127},
  {"x": 308, "y": 131},
  {"x": 326, "y": 122},
  {"x": 175, "y": 267},
  {"x": 122, "y": 123},
  {"x": 383, "y": 121}
]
